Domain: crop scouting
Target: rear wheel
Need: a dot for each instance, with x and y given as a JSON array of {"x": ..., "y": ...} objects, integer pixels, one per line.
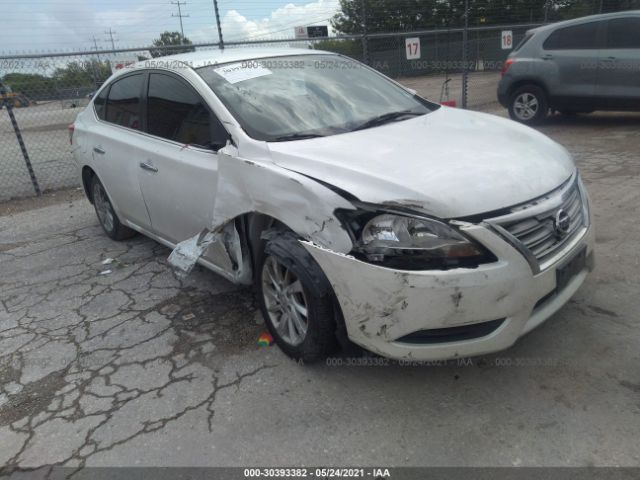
[
  {"x": 106, "y": 215},
  {"x": 528, "y": 105},
  {"x": 296, "y": 300}
]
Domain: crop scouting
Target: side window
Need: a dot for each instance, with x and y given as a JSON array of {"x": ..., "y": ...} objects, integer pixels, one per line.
[
  {"x": 577, "y": 37},
  {"x": 176, "y": 112},
  {"x": 624, "y": 33},
  {"x": 123, "y": 103},
  {"x": 100, "y": 103}
]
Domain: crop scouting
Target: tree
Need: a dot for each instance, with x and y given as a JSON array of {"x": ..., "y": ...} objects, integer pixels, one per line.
[
  {"x": 408, "y": 15},
  {"x": 88, "y": 73},
  {"x": 170, "y": 39}
]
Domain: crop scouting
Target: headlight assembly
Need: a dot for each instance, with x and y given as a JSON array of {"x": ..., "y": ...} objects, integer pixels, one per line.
[{"x": 409, "y": 242}]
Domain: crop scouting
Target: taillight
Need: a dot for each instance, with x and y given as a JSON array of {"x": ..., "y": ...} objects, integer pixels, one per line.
[
  {"x": 505, "y": 66},
  {"x": 71, "y": 127}
]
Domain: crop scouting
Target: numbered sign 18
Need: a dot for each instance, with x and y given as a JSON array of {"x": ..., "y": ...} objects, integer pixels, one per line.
[
  {"x": 412, "y": 48},
  {"x": 507, "y": 40}
]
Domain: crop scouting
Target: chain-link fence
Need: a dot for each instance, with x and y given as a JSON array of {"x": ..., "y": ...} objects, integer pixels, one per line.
[
  {"x": 43, "y": 93},
  {"x": 452, "y": 54}
]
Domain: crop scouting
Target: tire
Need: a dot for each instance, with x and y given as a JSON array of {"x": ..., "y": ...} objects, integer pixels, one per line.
[
  {"x": 528, "y": 104},
  {"x": 107, "y": 217},
  {"x": 289, "y": 284}
]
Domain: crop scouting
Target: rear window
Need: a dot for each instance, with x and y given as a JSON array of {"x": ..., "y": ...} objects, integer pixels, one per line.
[
  {"x": 624, "y": 33},
  {"x": 123, "y": 103},
  {"x": 526, "y": 38},
  {"x": 100, "y": 103},
  {"x": 576, "y": 37}
]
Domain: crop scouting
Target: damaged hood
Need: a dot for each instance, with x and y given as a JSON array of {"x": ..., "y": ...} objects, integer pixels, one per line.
[{"x": 449, "y": 163}]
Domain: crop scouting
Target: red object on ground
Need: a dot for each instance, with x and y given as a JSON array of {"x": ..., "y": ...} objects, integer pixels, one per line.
[
  {"x": 265, "y": 340},
  {"x": 449, "y": 103}
]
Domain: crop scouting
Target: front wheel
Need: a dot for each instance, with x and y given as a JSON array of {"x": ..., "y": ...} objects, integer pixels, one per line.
[
  {"x": 296, "y": 300},
  {"x": 528, "y": 105}
]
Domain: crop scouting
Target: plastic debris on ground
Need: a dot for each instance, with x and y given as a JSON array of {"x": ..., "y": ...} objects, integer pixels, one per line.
[{"x": 265, "y": 340}]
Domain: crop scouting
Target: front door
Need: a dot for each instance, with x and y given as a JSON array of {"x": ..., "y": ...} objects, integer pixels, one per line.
[{"x": 178, "y": 169}]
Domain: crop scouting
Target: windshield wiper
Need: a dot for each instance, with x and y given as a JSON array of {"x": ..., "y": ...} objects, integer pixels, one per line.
[
  {"x": 387, "y": 118},
  {"x": 296, "y": 136}
]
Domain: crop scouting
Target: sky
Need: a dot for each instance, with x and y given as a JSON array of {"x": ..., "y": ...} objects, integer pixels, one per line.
[{"x": 65, "y": 25}]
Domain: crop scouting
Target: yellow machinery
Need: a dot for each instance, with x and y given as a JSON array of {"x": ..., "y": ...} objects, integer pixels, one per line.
[{"x": 16, "y": 99}]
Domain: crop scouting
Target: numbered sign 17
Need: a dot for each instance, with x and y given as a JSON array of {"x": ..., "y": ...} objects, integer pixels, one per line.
[
  {"x": 507, "y": 40},
  {"x": 412, "y": 48}
]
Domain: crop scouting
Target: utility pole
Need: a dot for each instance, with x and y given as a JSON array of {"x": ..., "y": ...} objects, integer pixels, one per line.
[
  {"x": 95, "y": 46},
  {"x": 215, "y": 8},
  {"x": 110, "y": 33},
  {"x": 365, "y": 31},
  {"x": 465, "y": 54},
  {"x": 180, "y": 15}
]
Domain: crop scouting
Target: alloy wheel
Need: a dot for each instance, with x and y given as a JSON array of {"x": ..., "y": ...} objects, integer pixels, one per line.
[
  {"x": 526, "y": 106},
  {"x": 286, "y": 301}
]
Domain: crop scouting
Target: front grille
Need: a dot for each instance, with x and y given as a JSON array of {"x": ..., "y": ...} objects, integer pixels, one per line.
[{"x": 539, "y": 233}]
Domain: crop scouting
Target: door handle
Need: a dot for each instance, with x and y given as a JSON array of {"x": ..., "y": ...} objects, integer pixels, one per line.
[
  {"x": 547, "y": 57},
  {"x": 148, "y": 166},
  {"x": 98, "y": 149}
]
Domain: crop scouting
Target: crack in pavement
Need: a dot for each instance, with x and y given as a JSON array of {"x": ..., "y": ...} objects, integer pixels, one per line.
[{"x": 89, "y": 362}]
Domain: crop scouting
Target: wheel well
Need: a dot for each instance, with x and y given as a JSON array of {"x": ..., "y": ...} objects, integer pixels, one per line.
[
  {"x": 87, "y": 177},
  {"x": 252, "y": 225},
  {"x": 522, "y": 83}
]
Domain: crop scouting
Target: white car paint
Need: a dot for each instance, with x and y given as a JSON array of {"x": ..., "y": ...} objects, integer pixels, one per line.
[
  {"x": 453, "y": 163},
  {"x": 449, "y": 164}
]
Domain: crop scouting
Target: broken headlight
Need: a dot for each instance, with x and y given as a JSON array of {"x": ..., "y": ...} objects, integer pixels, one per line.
[{"x": 411, "y": 242}]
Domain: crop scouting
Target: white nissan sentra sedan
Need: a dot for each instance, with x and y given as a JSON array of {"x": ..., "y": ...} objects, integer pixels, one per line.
[{"x": 361, "y": 212}]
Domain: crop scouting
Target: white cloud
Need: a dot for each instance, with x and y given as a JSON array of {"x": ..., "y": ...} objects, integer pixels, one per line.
[
  {"x": 279, "y": 24},
  {"x": 72, "y": 25}
]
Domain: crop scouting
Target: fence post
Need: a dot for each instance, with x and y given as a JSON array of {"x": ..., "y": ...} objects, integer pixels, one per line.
[
  {"x": 365, "y": 39},
  {"x": 16, "y": 129},
  {"x": 465, "y": 49},
  {"x": 215, "y": 7}
]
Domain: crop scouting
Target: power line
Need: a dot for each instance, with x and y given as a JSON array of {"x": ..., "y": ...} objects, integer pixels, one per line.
[{"x": 179, "y": 15}]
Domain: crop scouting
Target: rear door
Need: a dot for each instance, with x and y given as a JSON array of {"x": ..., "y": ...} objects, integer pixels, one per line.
[
  {"x": 573, "y": 53},
  {"x": 115, "y": 140},
  {"x": 178, "y": 169},
  {"x": 619, "y": 78}
]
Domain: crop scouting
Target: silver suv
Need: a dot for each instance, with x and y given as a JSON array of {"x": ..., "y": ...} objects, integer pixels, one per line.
[{"x": 576, "y": 66}]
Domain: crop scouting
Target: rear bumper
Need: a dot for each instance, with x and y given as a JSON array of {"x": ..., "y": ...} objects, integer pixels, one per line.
[
  {"x": 503, "y": 91},
  {"x": 382, "y": 306}
]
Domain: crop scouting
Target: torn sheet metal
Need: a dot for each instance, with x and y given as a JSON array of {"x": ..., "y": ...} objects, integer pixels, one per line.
[
  {"x": 224, "y": 240},
  {"x": 244, "y": 186},
  {"x": 186, "y": 253}
]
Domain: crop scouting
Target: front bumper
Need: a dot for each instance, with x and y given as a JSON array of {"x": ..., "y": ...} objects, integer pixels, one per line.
[{"x": 382, "y": 306}]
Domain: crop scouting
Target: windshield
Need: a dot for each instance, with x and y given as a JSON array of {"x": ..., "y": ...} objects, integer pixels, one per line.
[{"x": 303, "y": 96}]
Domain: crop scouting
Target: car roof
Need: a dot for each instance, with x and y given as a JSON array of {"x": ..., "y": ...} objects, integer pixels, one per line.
[
  {"x": 590, "y": 18},
  {"x": 202, "y": 58}
]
